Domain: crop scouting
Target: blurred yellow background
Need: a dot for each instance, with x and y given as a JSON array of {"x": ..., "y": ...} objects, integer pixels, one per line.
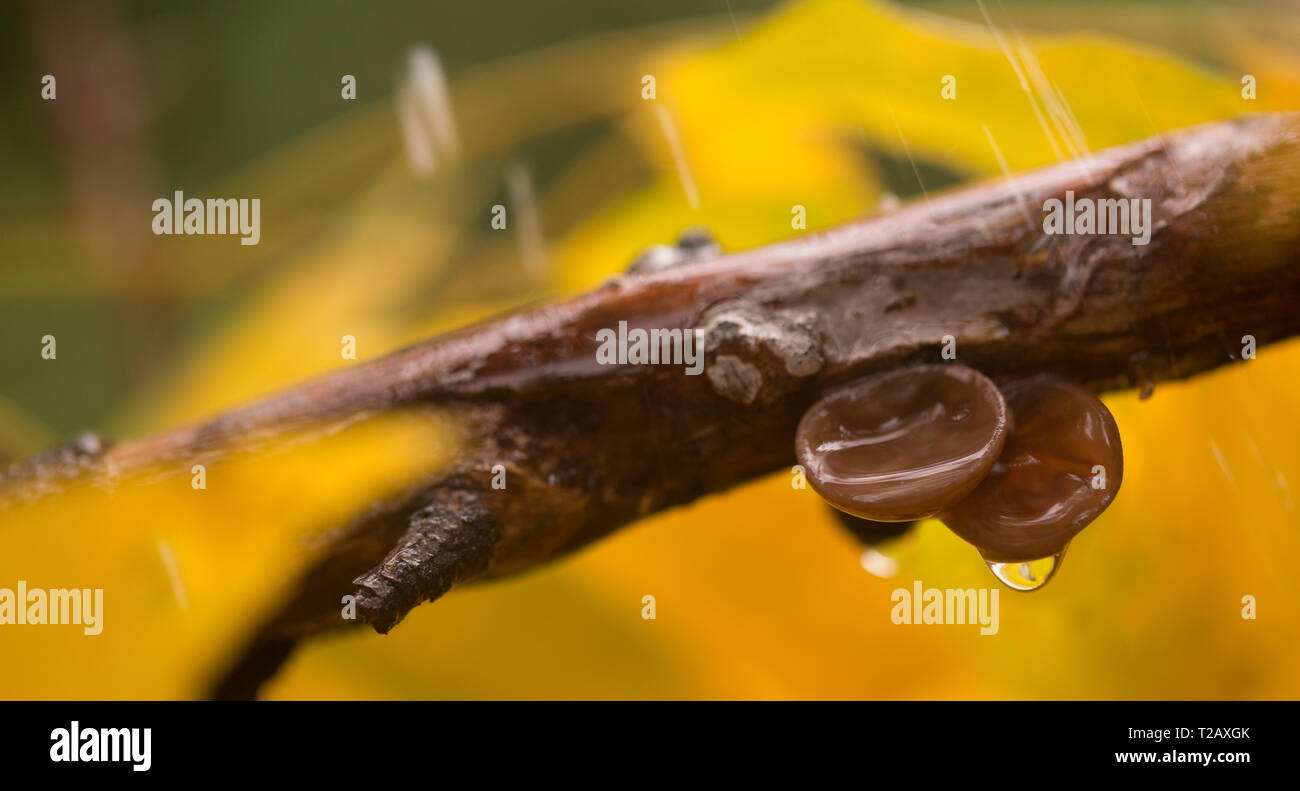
[{"x": 759, "y": 592}]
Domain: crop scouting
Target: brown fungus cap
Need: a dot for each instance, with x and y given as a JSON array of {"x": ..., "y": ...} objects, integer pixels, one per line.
[
  {"x": 905, "y": 444},
  {"x": 1041, "y": 492}
]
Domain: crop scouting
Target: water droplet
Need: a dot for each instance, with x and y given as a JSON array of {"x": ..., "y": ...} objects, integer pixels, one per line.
[
  {"x": 879, "y": 564},
  {"x": 1026, "y": 576}
]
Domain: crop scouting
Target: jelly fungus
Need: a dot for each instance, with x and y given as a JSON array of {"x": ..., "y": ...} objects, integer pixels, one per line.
[
  {"x": 1061, "y": 467},
  {"x": 904, "y": 444}
]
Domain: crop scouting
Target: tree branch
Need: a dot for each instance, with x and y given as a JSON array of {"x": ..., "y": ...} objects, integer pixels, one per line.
[{"x": 589, "y": 447}]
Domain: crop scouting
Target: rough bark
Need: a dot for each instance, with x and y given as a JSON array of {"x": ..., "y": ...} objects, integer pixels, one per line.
[{"x": 589, "y": 448}]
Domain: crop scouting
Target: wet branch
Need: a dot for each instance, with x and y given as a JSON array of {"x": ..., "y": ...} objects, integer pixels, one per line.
[{"x": 589, "y": 448}]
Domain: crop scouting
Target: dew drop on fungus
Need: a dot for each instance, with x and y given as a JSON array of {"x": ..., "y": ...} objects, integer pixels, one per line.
[
  {"x": 1025, "y": 576},
  {"x": 904, "y": 444},
  {"x": 1061, "y": 467}
]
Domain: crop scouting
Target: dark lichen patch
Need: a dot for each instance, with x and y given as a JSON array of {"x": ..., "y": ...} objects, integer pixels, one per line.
[{"x": 902, "y": 303}]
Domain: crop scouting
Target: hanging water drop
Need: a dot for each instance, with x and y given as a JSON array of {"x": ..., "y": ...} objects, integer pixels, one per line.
[{"x": 1026, "y": 576}]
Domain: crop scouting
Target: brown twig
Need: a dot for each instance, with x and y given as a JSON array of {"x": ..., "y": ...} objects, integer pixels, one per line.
[{"x": 589, "y": 448}]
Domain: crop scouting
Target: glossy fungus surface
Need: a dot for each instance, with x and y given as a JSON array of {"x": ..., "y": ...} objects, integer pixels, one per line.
[
  {"x": 904, "y": 444},
  {"x": 1061, "y": 467}
]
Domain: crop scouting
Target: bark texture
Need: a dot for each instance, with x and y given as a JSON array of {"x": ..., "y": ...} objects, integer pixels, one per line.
[{"x": 589, "y": 448}]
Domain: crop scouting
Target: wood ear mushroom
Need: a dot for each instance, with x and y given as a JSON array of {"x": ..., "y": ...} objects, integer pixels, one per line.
[
  {"x": 1061, "y": 467},
  {"x": 1016, "y": 472},
  {"x": 905, "y": 444}
]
